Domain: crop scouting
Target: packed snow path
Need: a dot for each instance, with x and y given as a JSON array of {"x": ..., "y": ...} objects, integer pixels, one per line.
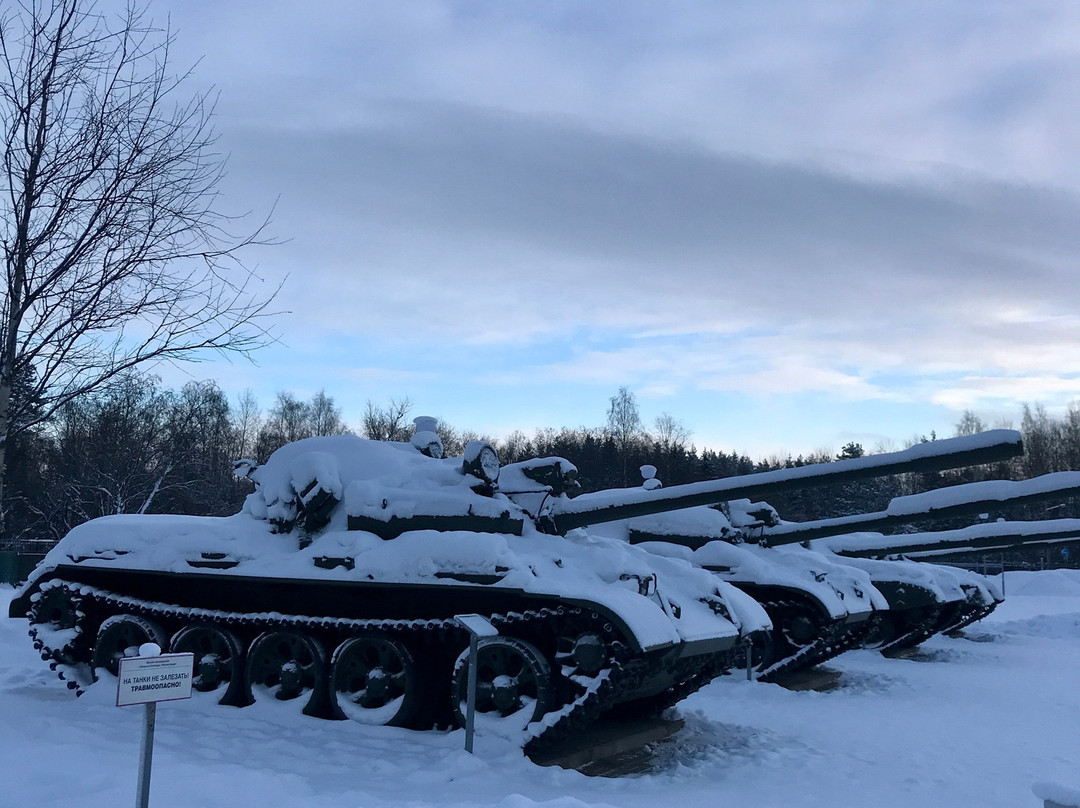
[{"x": 970, "y": 721}]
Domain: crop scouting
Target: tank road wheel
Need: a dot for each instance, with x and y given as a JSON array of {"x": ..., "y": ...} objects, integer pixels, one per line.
[
  {"x": 373, "y": 680},
  {"x": 883, "y": 632},
  {"x": 285, "y": 666},
  {"x": 581, "y": 650},
  {"x": 513, "y": 681},
  {"x": 800, "y": 630},
  {"x": 218, "y": 667},
  {"x": 120, "y": 636}
]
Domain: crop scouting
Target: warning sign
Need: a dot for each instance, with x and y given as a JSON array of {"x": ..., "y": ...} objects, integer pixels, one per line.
[{"x": 157, "y": 678}]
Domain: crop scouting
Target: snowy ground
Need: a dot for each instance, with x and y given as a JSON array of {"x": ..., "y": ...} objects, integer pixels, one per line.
[{"x": 973, "y": 721}]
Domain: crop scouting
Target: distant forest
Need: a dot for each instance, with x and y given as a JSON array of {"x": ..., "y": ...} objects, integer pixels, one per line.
[{"x": 139, "y": 448}]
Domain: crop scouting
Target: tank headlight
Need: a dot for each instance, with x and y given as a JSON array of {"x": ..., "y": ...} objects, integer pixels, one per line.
[{"x": 481, "y": 461}]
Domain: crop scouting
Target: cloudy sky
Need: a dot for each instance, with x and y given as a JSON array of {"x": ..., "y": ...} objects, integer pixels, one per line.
[{"x": 787, "y": 224}]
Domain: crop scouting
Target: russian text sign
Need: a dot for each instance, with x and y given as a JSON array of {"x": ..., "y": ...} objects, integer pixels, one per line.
[{"x": 158, "y": 678}]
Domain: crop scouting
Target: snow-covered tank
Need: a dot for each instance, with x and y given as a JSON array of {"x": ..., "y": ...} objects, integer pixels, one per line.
[
  {"x": 916, "y": 551},
  {"x": 818, "y": 608},
  {"x": 925, "y": 598},
  {"x": 821, "y": 604},
  {"x": 338, "y": 587}
]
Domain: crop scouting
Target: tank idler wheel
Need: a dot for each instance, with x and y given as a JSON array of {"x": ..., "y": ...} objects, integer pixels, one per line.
[
  {"x": 120, "y": 636},
  {"x": 512, "y": 680},
  {"x": 373, "y": 680},
  {"x": 54, "y": 623},
  {"x": 218, "y": 667},
  {"x": 54, "y": 608},
  {"x": 285, "y": 666}
]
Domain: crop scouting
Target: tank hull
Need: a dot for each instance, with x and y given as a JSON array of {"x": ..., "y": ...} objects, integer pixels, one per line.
[
  {"x": 420, "y": 620},
  {"x": 595, "y": 639}
]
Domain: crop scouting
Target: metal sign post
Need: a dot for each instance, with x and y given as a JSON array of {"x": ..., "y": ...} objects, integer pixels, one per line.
[
  {"x": 478, "y": 626},
  {"x": 147, "y": 679},
  {"x": 146, "y": 755}
]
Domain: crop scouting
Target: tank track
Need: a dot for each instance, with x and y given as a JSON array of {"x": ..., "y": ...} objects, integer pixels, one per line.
[
  {"x": 698, "y": 673},
  {"x": 970, "y": 617},
  {"x": 835, "y": 638},
  {"x": 68, "y": 649},
  {"x": 915, "y": 635}
]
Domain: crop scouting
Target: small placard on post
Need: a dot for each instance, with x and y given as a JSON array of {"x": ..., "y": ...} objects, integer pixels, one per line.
[
  {"x": 147, "y": 680},
  {"x": 478, "y": 626},
  {"x": 142, "y": 680}
]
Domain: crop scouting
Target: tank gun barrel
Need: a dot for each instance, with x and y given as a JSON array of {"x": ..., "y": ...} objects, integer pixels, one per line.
[
  {"x": 981, "y": 537},
  {"x": 954, "y": 501},
  {"x": 609, "y": 506}
]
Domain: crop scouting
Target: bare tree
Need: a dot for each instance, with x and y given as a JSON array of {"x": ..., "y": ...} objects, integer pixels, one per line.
[
  {"x": 115, "y": 253},
  {"x": 388, "y": 423},
  {"x": 325, "y": 415},
  {"x": 287, "y": 421},
  {"x": 247, "y": 423},
  {"x": 969, "y": 424},
  {"x": 624, "y": 425},
  {"x": 671, "y": 437},
  {"x": 671, "y": 433},
  {"x": 134, "y": 447}
]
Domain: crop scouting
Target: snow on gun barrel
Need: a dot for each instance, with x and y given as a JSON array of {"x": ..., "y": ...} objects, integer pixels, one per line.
[
  {"x": 607, "y": 506},
  {"x": 334, "y": 592}
]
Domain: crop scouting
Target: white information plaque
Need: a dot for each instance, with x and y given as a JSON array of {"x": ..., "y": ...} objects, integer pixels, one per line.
[
  {"x": 151, "y": 679},
  {"x": 477, "y": 625}
]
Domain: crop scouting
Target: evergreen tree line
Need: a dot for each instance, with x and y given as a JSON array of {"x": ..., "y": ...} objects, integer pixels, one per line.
[{"x": 137, "y": 447}]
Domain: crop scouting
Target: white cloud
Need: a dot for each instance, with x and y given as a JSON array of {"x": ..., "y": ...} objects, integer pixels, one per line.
[
  {"x": 892, "y": 88},
  {"x": 978, "y": 393},
  {"x": 875, "y": 202}
]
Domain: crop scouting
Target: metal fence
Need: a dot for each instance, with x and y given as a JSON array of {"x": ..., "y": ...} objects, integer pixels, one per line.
[{"x": 18, "y": 557}]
